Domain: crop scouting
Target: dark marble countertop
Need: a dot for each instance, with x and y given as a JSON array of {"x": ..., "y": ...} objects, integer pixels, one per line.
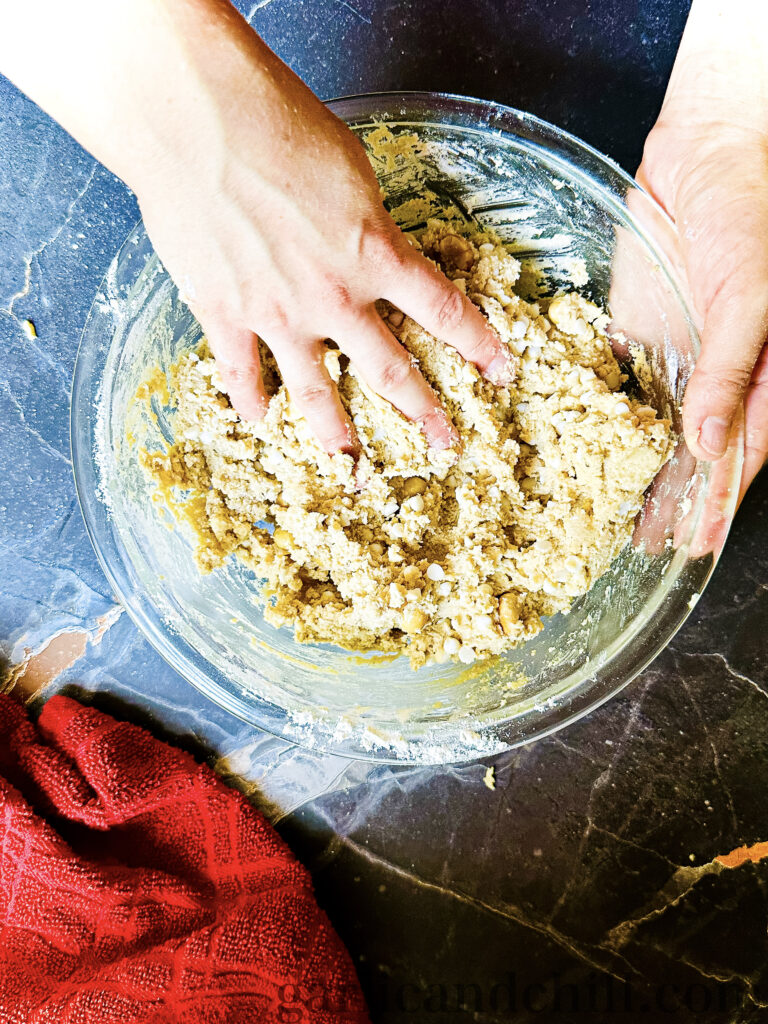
[{"x": 619, "y": 870}]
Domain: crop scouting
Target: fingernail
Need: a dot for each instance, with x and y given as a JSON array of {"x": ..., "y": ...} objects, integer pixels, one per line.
[
  {"x": 443, "y": 434},
  {"x": 501, "y": 369},
  {"x": 350, "y": 448},
  {"x": 348, "y": 445},
  {"x": 252, "y": 412},
  {"x": 713, "y": 436},
  {"x": 442, "y": 442}
]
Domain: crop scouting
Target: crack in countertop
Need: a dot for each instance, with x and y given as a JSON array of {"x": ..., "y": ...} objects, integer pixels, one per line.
[{"x": 36, "y": 253}]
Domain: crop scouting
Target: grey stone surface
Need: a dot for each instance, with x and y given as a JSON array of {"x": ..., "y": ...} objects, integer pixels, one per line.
[{"x": 591, "y": 872}]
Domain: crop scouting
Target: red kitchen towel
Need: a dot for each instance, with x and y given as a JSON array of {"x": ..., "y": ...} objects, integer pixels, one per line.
[{"x": 136, "y": 887}]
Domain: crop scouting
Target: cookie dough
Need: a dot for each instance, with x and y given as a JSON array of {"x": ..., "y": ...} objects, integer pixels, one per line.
[{"x": 451, "y": 555}]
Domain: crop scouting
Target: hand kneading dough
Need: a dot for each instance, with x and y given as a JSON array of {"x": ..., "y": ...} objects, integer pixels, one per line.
[{"x": 440, "y": 555}]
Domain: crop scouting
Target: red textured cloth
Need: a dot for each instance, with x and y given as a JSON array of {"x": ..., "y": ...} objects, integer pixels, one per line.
[{"x": 136, "y": 887}]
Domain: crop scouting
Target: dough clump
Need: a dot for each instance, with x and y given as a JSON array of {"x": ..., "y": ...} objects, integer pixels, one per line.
[{"x": 439, "y": 555}]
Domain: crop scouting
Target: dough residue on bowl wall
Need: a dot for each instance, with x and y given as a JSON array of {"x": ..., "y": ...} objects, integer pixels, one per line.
[{"x": 451, "y": 555}]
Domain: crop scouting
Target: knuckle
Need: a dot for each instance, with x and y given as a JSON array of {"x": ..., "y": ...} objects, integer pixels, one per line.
[
  {"x": 379, "y": 252},
  {"x": 725, "y": 382},
  {"x": 336, "y": 294},
  {"x": 238, "y": 376},
  {"x": 450, "y": 311},
  {"x": 399, "y": 257},
  {"x": 311, "y": 395},
  {"x": 395, "y": 373},
  {"x": 273, "y": 321},
  {"x": 727, "y": 272}
]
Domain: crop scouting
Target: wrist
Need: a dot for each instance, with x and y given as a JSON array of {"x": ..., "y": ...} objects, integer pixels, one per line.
[
  {"x": 716, "y": 101},
  {"x": 171, "y": 87},
  {"x": 143, "y": 85},
  {"x": 720, "y": 76}
]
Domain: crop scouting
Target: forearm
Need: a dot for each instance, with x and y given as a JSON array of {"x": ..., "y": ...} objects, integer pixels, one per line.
[
  {"x": 139, "y": 83},
  {"x": 722, "y": 65}
]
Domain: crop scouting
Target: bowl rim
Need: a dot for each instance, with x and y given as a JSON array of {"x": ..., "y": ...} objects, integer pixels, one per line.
[{"x": 574, "y": 703}]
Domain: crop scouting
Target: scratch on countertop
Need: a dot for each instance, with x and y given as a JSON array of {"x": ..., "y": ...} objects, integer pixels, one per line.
[
  {"x": 680, "y": 884},
  {"x": 36, "y": 253},
  {"x": 355, "y": 11},
  {"x": 256, "y": 7},
  {"x": 45, "y": 445},
  {"x": 609, "y": 960}
]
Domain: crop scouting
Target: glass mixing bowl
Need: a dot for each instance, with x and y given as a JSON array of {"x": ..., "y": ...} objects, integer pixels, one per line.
[{"x": 563, "y": 209}]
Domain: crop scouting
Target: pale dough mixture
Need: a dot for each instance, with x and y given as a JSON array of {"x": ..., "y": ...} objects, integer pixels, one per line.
[{"x": 452, "y": 555}]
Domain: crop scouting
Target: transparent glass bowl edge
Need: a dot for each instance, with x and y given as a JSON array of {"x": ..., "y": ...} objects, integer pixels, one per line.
[{"x": 571, "y": 703}]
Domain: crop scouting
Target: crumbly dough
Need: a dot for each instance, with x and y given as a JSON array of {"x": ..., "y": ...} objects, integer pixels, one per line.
[{"x": 440, "y": 555}]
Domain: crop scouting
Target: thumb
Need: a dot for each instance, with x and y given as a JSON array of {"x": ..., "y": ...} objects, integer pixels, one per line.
[
  {"x": 734, "y": 332},
  {"x": 723, "y": 223}
]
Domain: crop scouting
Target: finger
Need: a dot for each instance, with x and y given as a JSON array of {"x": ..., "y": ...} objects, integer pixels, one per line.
[
  {"x": 391, "y": 372},
  {"x": 727, "y": 266},
  {"x": 239, "y": 368},
  {"x": 734, "y": 333},
  {"x": 428, "y": 297},
  {"x": 314, "y": 394},
  {"x": 756, "y": 423},
  {"x": 720, "y": 501}
]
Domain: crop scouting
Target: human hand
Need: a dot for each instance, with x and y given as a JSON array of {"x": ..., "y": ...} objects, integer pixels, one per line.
[
  {"x": 706, "y": 163},
  {"x": 269, "y": 218},
  {"x": 260, "y": 203}
]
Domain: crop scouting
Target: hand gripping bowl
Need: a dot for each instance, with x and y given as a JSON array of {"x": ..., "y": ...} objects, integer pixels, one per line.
[{"x": 556, "y": 202}]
